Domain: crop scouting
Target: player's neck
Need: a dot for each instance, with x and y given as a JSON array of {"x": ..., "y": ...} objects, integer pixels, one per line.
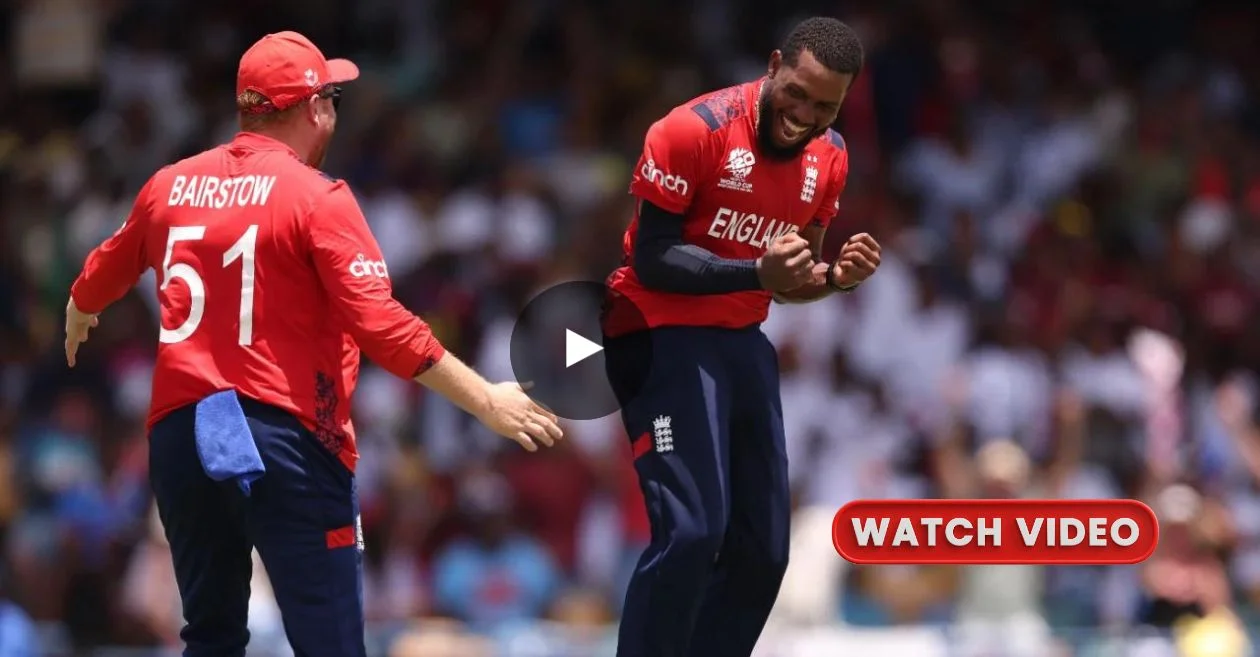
[{"x": 287, "y": 136}]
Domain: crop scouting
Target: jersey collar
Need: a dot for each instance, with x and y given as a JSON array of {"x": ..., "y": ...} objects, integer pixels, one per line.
[
  {"x": 753, "y": 98},
  {"x": 259, "y": 142}
]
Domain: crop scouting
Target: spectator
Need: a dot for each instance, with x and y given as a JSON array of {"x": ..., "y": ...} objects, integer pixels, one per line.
[
  {"x": 999, "y": 607},
  {"x": 494, "y": 575},
  {"x": 1185, "y": 576}
]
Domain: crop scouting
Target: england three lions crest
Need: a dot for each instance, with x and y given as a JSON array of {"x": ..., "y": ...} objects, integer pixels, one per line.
[
  {"x": 810, "y": 184},
  {"x": 663, "y": 433}
]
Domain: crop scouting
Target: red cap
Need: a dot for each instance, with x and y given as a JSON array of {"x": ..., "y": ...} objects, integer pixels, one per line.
[{"x": 287, "y": 68}]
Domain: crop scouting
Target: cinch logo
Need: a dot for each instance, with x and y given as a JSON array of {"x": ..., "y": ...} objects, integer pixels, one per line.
[
  {"x": 671, "y": 182},
  {"x": 363, "y": 267},
  {"x": 1004, "y": 531},
  {"x": 748, "y": 228}
]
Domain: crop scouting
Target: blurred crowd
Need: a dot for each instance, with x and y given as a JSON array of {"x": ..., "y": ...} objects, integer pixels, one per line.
[{"x": 1068, "y": 195}]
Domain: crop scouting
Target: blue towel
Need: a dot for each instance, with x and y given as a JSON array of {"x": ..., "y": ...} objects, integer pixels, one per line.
[{"x": 224, "y": 442}]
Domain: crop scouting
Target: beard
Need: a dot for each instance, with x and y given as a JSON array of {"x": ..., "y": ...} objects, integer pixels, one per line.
[{"x": 767, "y": 124}]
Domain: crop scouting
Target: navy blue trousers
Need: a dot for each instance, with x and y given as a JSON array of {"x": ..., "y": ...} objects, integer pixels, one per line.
[
  {"x": 707, "y": 437},
  {"x": 302, "y": 516}
]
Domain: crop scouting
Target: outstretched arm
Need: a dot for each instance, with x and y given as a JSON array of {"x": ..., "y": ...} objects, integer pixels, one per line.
[
  {"x": 399, "y": 341},
  {"x": 110, "y": 270}
]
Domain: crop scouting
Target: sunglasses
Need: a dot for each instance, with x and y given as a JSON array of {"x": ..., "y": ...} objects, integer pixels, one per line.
[{"x": 333, "y": 92}]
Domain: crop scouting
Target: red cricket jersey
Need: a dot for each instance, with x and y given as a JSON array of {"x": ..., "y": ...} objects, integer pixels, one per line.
[
  {"x": 269, "y": 282},
  {"x": 702, "y": 161}
]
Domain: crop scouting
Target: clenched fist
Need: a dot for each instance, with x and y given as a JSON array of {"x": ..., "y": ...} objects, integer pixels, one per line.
[
  {"x": 787, "y": 264},
  {"x": 858, "y": 260}
]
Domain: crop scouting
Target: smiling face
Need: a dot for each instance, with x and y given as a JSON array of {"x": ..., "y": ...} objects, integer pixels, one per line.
[{"x": 800, "y": 101}]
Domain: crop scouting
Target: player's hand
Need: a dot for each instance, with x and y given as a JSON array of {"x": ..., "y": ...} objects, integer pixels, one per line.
[
  {"x": 787, "y": 264},
  {"x": 513, "y": 415},
  {"x": 858, "y": 260},
  {"x": 78, "y": 324}
]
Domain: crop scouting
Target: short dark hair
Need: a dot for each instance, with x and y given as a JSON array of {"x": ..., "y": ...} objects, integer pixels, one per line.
[{"x": 834, "y": 44}]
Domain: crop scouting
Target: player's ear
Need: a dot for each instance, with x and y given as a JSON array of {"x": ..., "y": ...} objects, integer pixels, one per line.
[
  {"x": 313, "y": 111},
  {"x": 776, "y": 62}
]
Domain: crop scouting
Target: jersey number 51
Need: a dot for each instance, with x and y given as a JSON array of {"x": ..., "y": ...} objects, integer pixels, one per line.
[{"x": 243, "y": 250}]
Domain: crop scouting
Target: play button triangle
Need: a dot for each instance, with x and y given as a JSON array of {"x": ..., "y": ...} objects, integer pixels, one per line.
[
  {"x": 570, "y": 317},
  {"x": 578, "y": 348}
]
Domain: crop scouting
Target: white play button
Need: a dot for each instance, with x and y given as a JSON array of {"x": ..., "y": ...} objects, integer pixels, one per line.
[
  {"x": 557, "y": 345},
  {"x": 578, "y": 348}
]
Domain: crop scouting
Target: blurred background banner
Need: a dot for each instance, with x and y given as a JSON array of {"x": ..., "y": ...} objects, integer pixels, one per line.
[{"x": 1068, "y": 194}]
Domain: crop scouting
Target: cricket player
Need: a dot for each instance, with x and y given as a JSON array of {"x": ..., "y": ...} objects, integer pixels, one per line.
[
  {"x": 735, "y": 191},
  {"x": 270, "y": 283}
]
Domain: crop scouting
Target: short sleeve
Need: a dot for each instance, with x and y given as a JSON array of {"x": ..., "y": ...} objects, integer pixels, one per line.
[
  {"x": 835, "y": 187},
  {"x": 676, "y": 154}
]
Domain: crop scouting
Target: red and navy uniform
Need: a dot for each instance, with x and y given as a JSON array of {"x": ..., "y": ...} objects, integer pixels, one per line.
[
  {"x": 707, "y": 426},
  {"x": 271, "y": 288},
  {"x": 270, "y": 283}
]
